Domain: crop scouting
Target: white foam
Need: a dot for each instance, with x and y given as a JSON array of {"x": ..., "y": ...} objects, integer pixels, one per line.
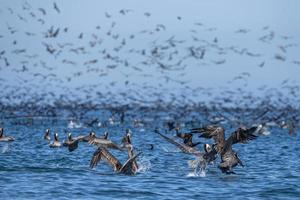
[
  {"x": 144, "y": 165},
  {"x": 73, "y": 124},
  {"x": 5, "y": 148},
  {"x": 201, "y": 173}
]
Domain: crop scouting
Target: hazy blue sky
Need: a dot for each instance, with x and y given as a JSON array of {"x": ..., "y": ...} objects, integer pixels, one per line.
[{"x": 220, "y": 20}]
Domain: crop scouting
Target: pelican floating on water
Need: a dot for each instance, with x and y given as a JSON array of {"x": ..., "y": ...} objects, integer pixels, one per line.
[
  {"x": 55, "y": 143},
  {"x": 4, "y": 138},
  {"x": 47, "y": 135}
]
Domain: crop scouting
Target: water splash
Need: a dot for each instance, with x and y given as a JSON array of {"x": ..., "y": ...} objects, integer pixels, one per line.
[
  {"x": 144, "y": 164},
  {"x": 195, "y": 173},
  {"x": 199, "y": 167},
  {"x": 73, "y": 124},
  {"x": 5, "y": 148}
]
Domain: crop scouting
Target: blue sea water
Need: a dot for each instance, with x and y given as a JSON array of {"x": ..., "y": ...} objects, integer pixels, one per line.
[{"x": 29, "y": 169}]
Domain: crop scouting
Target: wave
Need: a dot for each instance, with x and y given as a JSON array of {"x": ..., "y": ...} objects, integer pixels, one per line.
[{"x": 144, "y": 164}]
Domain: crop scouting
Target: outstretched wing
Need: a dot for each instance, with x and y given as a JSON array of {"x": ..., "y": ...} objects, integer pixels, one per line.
[
  {"x": 104, "y": 143},
  {"x": 73, "y": 145},
  {"x": 96, "y": 158},
  {"x": 184, "y": 148},
  {"x": 103, "y": 153},
  {"x": 241, "y": 135},
  {"x": 215, "y": 132},
  {"x": 128, "y": 167}
]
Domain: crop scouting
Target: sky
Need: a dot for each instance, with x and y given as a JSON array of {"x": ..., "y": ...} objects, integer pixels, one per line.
[{"x": 265, "y": 33}]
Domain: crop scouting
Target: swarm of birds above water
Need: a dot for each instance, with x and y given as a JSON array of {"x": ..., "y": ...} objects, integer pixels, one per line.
[
  {"x": 40, "y": 89},
  {"x": 143, "y": 64}
]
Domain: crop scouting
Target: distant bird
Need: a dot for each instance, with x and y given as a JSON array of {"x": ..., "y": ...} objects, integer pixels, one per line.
[
  {"x": 55, "y": 143},
  {"x": 56, "y": 7},
  {"x": 242, "y": 31},
  {"x": 125, "y": 11},
  {"x": 107, "y": 15},
  {"x": 4, "y": 138},
  {"x": 43, "y": 11},
  {"x": 47, "y": 135},
  {"x": 279, "y": 57},
  {"x": 261, "y": 64},
  {"x": 147, "y": 14}
]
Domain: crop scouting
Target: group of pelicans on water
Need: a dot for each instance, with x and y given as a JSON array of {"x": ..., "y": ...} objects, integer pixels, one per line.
[{"x": 222, "y": 146}]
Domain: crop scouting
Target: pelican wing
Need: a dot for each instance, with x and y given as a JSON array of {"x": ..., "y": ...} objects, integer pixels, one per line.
[
  {"x": 215, "y": 132},
  {"x": 96, "y": 158},
  {"x": 239, "y": 136},
  {"x": 129, "y": 167},
  {"x": 104, "y": 143},
  {"x": 243, "y": 135},
  {"x": 184, "y": 148},
  {"x": 103, "y": 153}
]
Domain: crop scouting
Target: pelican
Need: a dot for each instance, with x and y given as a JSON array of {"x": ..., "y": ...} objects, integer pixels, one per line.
[
  {"x": 47, "y": 135},
  {"x": 4, "y": 138},
  {"x": 130, "y": 167},
  {"x": 55, "y": 143},
  {"x": 223, "y": 147},
  {"x": 103, "y": 153}
]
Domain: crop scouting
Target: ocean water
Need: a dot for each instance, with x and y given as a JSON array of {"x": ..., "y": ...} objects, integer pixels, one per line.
[{"x": 29, "y": 169}]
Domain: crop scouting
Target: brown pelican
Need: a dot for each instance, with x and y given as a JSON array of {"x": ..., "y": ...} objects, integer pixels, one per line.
[
  {"x": 55, "y": 143},
  {"x": 130, "y": 167},
  {"x": 47, "y": 135},
  {"x": 4, "y": 138},
  {"x": 69, "y": 142},
  {"x": 126, "y": 142},
  {"x": 229, "y": 158},
  {"x": 105, "y": 135},
  {"x": 103, "y": 153}
]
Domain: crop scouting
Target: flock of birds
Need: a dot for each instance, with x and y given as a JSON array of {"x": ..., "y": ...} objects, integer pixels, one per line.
[
  {"x": 40, "y": 88},
  {"x": 221, "y": 146},
  {"x": 146, "y": 62}
]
